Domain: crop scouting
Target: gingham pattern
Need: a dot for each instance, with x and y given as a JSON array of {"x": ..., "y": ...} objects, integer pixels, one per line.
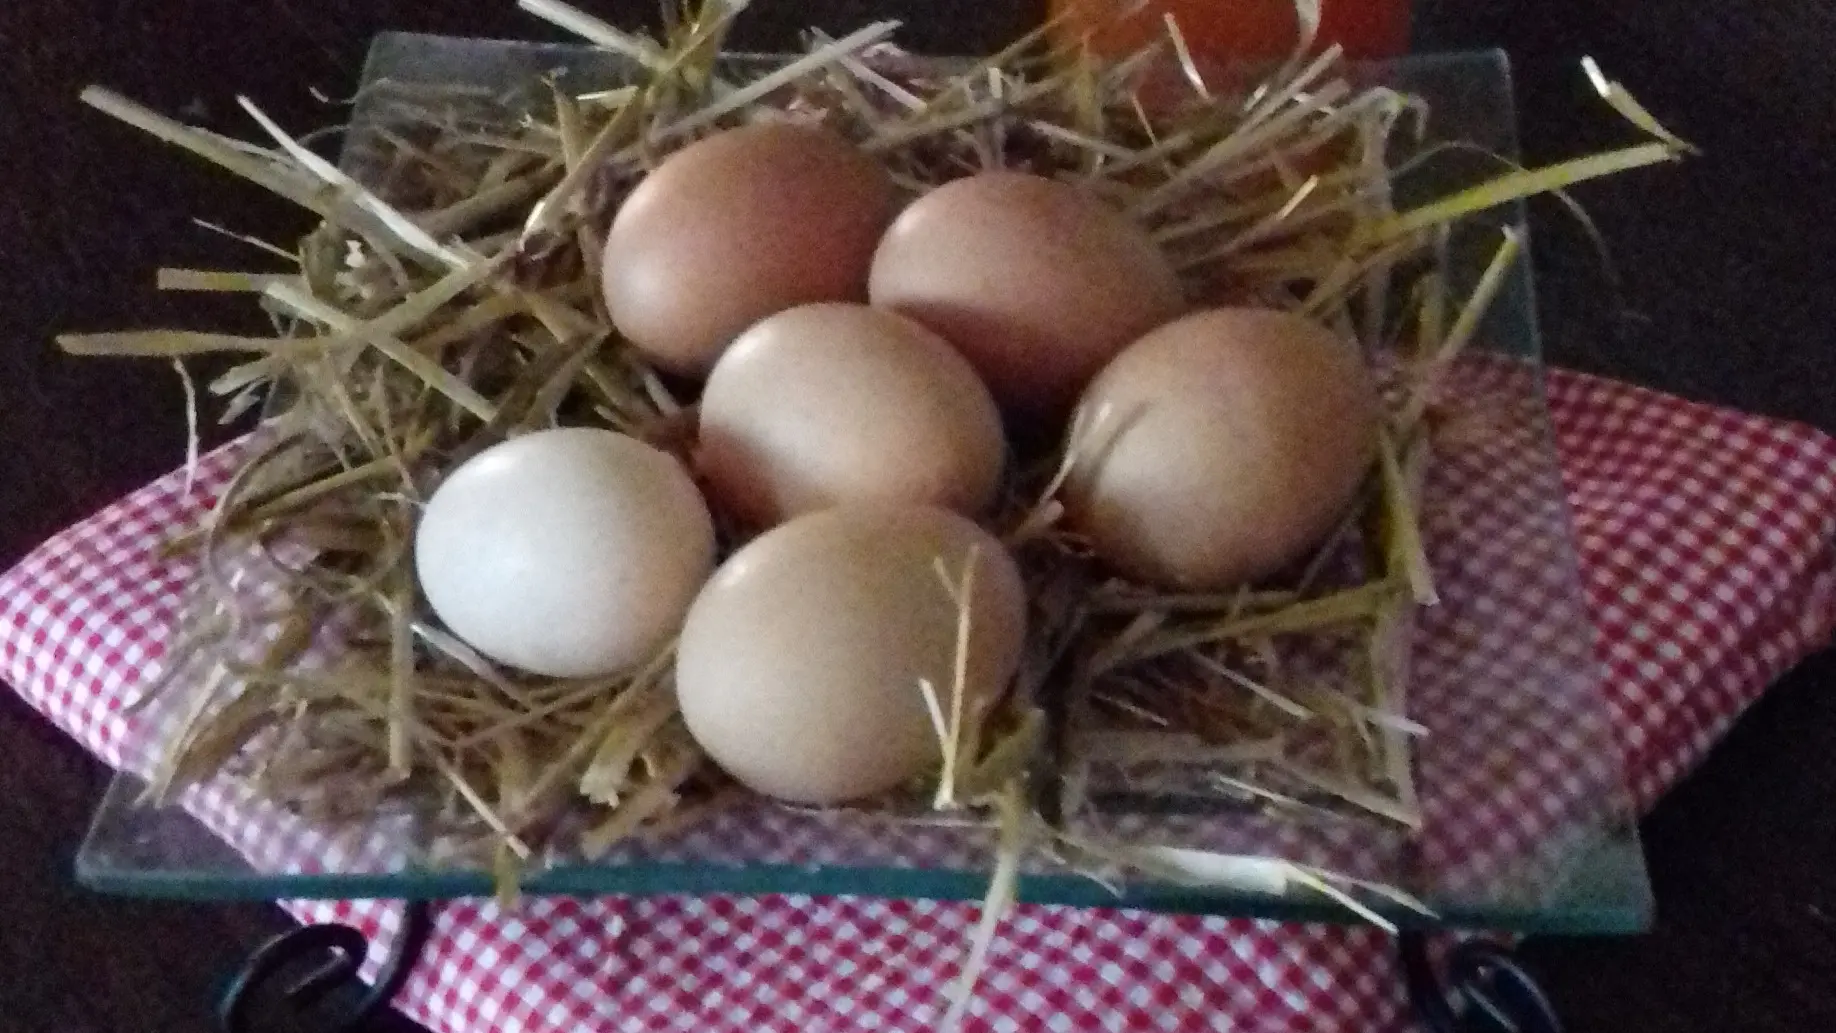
[
  {"x": 1708, "y": 540},
  {"x": 1704, "y": 539}
]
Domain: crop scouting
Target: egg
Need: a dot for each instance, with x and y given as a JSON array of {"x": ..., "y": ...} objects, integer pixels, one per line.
[
  {"x": 571, "y": 552},
  {"x": 799, "y": 666},
  {"x": 1222, "y": 446},
  {"x": 733, "y": 228},
  {"x": 836, "y": 402},
  {"x": 1037, "y": 282}
]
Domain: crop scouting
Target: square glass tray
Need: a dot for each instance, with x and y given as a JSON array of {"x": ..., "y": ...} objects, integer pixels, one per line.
[{"x": 1527, "y": 824}]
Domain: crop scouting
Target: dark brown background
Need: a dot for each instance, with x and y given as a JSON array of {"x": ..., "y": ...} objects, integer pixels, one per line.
[{"x": 1728, "y": 270}]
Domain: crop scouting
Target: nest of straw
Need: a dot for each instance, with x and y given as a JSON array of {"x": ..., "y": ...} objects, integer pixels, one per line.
[{"x": 449, "y": 300}]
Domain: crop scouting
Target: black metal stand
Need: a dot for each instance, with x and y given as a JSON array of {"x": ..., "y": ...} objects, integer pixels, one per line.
[
  {"x": 339, "y": 951},
  {"x": 1485, "y": 989}
]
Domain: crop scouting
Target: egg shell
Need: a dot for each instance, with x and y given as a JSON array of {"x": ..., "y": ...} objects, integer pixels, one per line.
[
  {"x": 834, "y": 403},
  {"x": 1038, "y": 283},
  {"x": 799, "y": 665},
  {"x": 1233, "y": 441},
  {"x": 571, "y": 552},
  {"x": 735, "y": 227}
]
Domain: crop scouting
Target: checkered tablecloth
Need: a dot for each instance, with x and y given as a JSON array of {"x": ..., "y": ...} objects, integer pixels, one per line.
[{"x": 1705, "y": 540}]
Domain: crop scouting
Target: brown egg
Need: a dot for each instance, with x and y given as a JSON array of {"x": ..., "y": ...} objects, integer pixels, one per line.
[
  {"x": 1037, "y": 282},
  {"x": 738, "y": 226},
  {"x": 1233, "y": 441},
  {"x": 799, "y": 664},
  {"x": 837, "y": 403}
]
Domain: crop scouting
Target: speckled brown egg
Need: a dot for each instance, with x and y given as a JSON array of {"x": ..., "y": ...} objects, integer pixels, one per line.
[
  {"x": 736, "y": 227},
  {"x": 1038, "y": 283},
  {"x": 1229, "y": 443},
  {"x": 799, "y": 665},
  {"x": 832, "y": 403}
]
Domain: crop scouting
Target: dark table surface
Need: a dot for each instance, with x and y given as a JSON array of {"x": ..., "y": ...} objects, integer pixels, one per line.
[{"x": 1728, "y": 299}]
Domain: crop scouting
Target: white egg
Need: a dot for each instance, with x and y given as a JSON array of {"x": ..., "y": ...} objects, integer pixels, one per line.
[{"x": 569, "y": 552}]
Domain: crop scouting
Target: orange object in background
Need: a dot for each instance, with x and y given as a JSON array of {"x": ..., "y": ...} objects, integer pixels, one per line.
[{"x": 1224, "y": 29}]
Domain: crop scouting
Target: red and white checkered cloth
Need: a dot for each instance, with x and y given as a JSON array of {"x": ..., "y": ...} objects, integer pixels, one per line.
[{"x": 1705, "y": 541}]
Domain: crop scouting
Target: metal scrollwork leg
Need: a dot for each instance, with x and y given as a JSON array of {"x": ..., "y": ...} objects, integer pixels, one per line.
[
  {"x": 342, "y": 949},
  {"x": 1486, "y": 988}
]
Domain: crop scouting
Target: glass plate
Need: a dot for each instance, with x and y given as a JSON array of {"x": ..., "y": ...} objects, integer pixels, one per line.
[{"x": 1527, "y": 823}]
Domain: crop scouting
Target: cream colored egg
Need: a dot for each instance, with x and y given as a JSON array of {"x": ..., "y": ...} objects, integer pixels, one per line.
[
  {"x": 835, "y": 403},
  {"x": 1229, "y": 443},
  {"x": 800, "y": 662},
  {"x": 569, "y": 552}
]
